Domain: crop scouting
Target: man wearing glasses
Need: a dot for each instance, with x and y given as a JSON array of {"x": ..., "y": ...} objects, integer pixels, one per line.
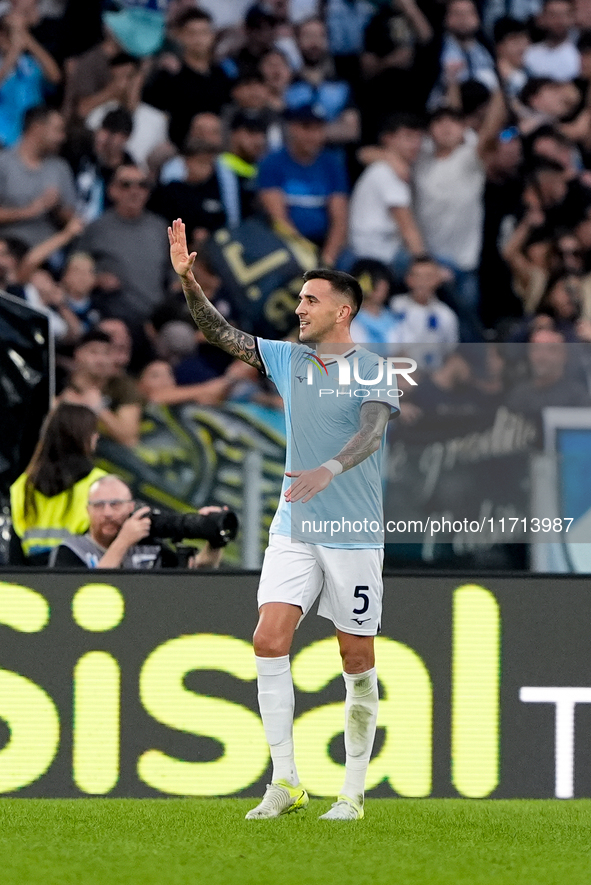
[
  {"x": 116, "y": 532},
  {"x": 130, "y": 246}
]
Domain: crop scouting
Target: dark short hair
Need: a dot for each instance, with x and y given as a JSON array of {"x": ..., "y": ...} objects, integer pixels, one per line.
[
  {"x": 508, "y": 27},
  {"x": 38, "y": 114},
  {"x": 533, "y": 86},
  {"x": 91, "y": 336},
  {"x": 402, "y": 121},
  {"x": 584, "y": 41},
  {"x": 192, "y": 15},
  {"x": 340, "y": 282},
  {"x": 444, "y": 111},
  {"x": 118, "y": 120}
]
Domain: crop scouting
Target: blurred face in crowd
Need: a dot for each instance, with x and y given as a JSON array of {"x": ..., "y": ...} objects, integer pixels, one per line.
[
  {"x": 405, "y": 142},
  {"x": 276, "y": 71},
  {"x": 109, "y": 147},
  {"x": 123, "y": 76},
  {"x": 260, "y": 38},
  {"x": 249, "y": 144},
  {"x": 547, "y": 356},
  {"x": 109, "y": 505},
  {"x": 447, "y": 133},
  {"x": 196, "y": 38},
  {"x": 157, "y": 376},
  {"x": 95, "y": 360},
  {"x": 200, "y": 166},
  {"x": 121, "y": 343},
  {"x": 512, "y": 48},
  {"x": 557, "y": 19},
  {"x": 129, "y": 191},
  {"x": 307, "y": 139},
  {"x": 564, "y": 298},
  {"x": 79, "y": 277},
  {"x": 423, "y": 279},
  {"x": 206, "y": 127},
  {"x": 312, "y": 41},
  {"x": 462, "y": 20},
  {"x": 551, "y": 100},
  {"x": 552, "y": 187},
  {"x": 570, "y": 254},
  {"x": 251, "y": 95},
  {"x": 51, "y": 133}
]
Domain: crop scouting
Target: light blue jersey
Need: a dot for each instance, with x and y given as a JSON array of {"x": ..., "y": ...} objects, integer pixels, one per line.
[{"x": 322, "y": 413}]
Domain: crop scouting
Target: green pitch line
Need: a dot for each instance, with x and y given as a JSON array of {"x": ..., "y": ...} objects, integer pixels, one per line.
[{"x": 400, "y": 842}]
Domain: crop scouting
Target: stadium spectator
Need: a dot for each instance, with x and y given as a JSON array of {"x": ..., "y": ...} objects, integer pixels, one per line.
[
  {"x": 198, "y": 198},
  {"x": 115, "y": 530},
  {"x": 449, "y": 180},
  {"x": 316, "y": 85},
  {"x": 250, "y": 95},
  {"x": 48, "y": 500},
  {"x": 511, "y": 43},
  {"x": 157, "y": 384},
  {"x": 200, "y": 85},
  {"x": 27, "y": 71},
  {"x": 423, "y": 319},
  {"x": 563, "y": 302},
  {"x": 94, "y": 158},
  {"x": 149, "y": 125},
  {"x": 381, "y": 222},
  {"x": 78, "y": 281},
  {"x": 374, "y": 323},
  {"x": 128, "y": 244},
  {"x": 463, "y": 56},
  {"x": 550, "y": 382},
  {"x": 277, "y": 75},
  {"x": 260, "y": 33},
  {"x": 237, "y": 168},
  {"x": 97, "y": 382},
  {"x": 37, "y": 194},
  {"x": 556, "y": 56},
  {"x": 88, "y": 78},
  {"x": 169, "y": 163},
  {"x": 303, "y": 187}
]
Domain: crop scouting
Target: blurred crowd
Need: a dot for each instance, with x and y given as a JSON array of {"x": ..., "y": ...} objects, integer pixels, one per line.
[{"x": 440, "y": 150}]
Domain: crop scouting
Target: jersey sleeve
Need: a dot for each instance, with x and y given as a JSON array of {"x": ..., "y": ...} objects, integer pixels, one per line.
[{"x": 276, "y": 359}]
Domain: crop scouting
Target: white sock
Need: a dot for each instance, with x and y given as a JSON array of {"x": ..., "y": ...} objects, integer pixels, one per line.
[
  {"x": 361, "y": 713},
  {"x": 277, "y": 703}
]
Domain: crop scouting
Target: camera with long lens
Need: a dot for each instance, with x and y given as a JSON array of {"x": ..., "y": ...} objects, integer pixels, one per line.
[{"x": 218, "y": 528}]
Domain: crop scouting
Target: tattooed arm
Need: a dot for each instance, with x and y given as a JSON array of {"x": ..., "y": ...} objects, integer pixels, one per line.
[
  {"x": 216, "y": 329},
  {"x": 374, "y": 417}
]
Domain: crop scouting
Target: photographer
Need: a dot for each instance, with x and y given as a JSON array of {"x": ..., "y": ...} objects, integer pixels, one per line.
[{"x": 114, "y": 539}]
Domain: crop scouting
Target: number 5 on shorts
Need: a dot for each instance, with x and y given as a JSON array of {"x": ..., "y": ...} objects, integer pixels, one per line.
[{"x": 359, "y": 594}]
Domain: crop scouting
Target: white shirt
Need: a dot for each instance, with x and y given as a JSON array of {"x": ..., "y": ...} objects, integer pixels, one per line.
[
  {"x": 433, "y": 329},
  {"x": 562, "y": 62},
  {"x": 373, "y": 233},
  {"x": 150, "y": 128},
  {"x": 449, "y": 202}
]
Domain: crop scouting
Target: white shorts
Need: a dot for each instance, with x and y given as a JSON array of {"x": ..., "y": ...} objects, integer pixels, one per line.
[{"x": 348, "y": 581}]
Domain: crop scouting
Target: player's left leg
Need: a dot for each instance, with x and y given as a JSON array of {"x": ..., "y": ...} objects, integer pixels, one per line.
[
  {"x": 352, "y": 599},
  {"x": 361, "y": 711}
]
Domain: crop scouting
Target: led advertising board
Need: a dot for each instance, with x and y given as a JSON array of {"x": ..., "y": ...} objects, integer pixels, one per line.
[{"x": 135, "y": 684}]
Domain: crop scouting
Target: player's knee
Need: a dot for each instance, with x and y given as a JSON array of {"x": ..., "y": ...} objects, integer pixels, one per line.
[
  {"x": 268, "y": 644},
  {"x": 354, "y": 662}
]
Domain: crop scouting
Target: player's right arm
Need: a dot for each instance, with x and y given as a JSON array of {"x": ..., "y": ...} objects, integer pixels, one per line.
[{"x": 216, "y": 329}]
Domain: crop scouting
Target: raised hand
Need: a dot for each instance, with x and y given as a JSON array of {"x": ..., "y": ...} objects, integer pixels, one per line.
[{"x": 182, "y": 262}]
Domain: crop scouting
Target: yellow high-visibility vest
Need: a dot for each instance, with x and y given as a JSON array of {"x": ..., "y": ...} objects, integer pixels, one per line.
[{"x": 56, "y": 518}]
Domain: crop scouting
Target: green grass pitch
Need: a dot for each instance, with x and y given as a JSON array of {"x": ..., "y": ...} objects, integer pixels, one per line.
[{"x": 191, "y": 841}]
